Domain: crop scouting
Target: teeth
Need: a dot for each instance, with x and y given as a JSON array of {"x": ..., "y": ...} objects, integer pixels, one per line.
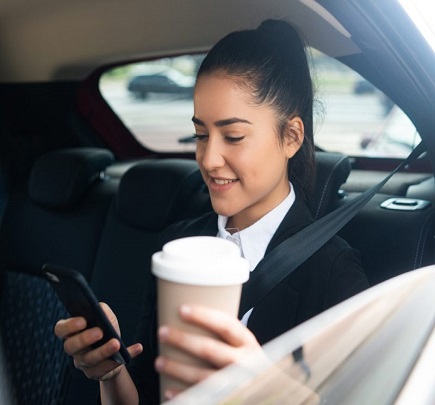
[{"x": 222, "y": 182}]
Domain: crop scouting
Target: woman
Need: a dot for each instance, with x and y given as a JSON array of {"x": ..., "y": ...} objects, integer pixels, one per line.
[{"x": 253, "y": 108}]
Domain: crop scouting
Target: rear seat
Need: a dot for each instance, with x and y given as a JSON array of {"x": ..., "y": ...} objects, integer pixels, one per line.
[
  {"x": 151, "y": 195},
  {"x": 71, "y": 215},
  {"x": 107, "y": 228},
  {"x": 56, "y": 217},
  {"x": 59, "y": 214}
]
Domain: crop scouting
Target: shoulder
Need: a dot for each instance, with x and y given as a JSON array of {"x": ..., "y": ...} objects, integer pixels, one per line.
[
  {"x": 337, "y": 269},
  {"x": 203, "y": 225},
  {"x": 346, "y": 276},
  {"x": 333, "y": 255}
]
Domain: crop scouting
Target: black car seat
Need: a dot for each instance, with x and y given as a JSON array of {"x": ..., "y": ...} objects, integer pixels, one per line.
[
  {"x": 332, "y": 171},
  {"x": 45, "y": 220},
  {"x": 151, "y": 195}
]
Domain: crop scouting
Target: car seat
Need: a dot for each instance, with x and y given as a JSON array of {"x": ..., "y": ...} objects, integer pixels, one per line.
[{"x": 39, "y": 219}]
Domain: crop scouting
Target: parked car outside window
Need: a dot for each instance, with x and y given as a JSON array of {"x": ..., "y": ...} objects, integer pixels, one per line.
[{"x": 162, "y": 81}]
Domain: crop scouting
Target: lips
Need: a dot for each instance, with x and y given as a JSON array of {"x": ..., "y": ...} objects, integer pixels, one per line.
[{"x": 222, "y": 182}]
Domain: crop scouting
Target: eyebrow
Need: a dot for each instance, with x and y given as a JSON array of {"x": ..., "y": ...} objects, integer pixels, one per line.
[{"x": 222, "y": 123}]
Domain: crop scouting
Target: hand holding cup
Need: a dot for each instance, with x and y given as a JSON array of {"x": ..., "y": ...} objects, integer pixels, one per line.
[{"x": 206, "y": 271}]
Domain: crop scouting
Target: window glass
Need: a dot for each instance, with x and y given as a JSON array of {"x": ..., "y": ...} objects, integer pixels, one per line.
[
  {"x": 154, "y": 100},
  {"x": 354, "y": 117}
]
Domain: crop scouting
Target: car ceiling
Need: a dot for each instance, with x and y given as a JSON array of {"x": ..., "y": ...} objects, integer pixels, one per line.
[{"x": 43, "y": 40}]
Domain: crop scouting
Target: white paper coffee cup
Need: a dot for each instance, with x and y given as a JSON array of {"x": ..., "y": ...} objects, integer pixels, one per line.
[{"x": 196, "y": 270}]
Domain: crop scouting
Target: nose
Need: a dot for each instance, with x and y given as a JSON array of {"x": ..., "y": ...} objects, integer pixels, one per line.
[{"x": 211, "y": 154}]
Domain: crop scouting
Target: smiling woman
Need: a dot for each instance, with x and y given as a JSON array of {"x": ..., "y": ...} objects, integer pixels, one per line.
[
  {"x": 135, "y": 156},
  {"x": 253, "y": 107}
]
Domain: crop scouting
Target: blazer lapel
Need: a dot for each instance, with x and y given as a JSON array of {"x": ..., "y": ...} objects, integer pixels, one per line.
[
  {"x": 276, "y": 312},
  {"x": 210, "y": 227},
  {"x": 297, "y": 218}
]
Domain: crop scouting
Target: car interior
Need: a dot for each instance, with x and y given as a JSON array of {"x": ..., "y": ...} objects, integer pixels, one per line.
[{"x": 81, "y": 187}]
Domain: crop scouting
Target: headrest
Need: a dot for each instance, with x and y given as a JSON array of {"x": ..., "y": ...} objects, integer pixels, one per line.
[
  {"x": 152, "y": 194},
  {"x": 332, "y": 170},
  {"x": 59, "y": 178}
]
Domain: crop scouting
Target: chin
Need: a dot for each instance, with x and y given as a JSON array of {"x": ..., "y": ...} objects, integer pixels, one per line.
[{"x": 225, "y": 211}]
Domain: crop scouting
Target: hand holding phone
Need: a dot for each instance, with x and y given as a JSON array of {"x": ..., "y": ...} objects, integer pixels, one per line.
[{"x": 79, "y": 300}]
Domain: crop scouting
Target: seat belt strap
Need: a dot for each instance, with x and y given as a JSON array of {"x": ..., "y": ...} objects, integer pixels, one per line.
[{"x": 291, "y": 253}]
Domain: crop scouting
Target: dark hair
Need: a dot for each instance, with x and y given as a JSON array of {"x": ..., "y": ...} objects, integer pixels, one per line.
[{"x": 271, "y": 62}]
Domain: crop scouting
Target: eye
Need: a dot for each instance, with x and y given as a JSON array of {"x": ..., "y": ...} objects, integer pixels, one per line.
[
  {"x": 233, "y": 139},
  {"x": 200, "y": 137}
]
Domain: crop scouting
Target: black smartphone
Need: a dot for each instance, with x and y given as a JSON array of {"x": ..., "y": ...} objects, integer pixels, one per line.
[{"x": 79, "y": 300}]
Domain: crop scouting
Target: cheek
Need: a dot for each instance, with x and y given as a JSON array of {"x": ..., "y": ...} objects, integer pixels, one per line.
[
  {"x": 264, "y": 156},
  {"x": 199, "y": 154}
]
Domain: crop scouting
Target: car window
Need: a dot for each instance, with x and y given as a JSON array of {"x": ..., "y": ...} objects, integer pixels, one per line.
[{"x": 154, "y": 100}]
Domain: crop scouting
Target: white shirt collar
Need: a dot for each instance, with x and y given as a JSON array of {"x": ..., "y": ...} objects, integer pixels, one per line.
[{"x": 254, "y": 240}]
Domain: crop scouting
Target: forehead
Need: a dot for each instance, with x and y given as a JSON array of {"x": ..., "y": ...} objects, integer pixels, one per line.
[{"x": 220, "y": 90}]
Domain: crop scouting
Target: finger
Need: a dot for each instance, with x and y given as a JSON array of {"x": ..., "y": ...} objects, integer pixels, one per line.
[
  {"x": 98, "y": 364},
  {"x": 105, "y": 352},
  {"x": 135, "y": 350},
  {"x": 68, "y": 327},
  {"x": 111, "y": 316},
  {"x": 227, "y": 327},
  {"x": 187, "y": 374},
  {"x": 208, "y": 349},
  {"x": 82, "y": 341},
  {"x": 171, "y": 393}
]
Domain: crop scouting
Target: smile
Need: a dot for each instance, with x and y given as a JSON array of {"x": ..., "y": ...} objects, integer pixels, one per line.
[{"x": 221, "y": 182}]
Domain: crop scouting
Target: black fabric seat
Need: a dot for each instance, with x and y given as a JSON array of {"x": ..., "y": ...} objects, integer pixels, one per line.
[
  {"x": 332, "y": 171},
  {"x": 58, "y": 215},
  {"x": 53, "y": 219},
  {"x": 151, "y": 195}
]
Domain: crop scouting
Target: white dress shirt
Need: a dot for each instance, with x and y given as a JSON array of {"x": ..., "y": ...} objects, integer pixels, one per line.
[{"x": 253, "y": 241}]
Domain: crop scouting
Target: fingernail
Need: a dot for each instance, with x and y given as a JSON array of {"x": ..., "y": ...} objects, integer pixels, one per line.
[
  {"x": 169, "y": 394},
  {"x": 163, "y": 332},
  {"x": 96, "y": 333},
  {"x": 80, "y": 323},
  {"x": 138, "y": 349},
  {"x": 185, "y": 310},
  {"x": 159, "y": 364}
]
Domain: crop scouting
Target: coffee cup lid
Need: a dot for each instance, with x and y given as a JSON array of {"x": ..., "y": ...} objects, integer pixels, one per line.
[{"x": 201, "y": 260}]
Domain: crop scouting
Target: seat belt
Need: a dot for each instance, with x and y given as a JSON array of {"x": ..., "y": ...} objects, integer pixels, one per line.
[{"x": 291, "y": 253}]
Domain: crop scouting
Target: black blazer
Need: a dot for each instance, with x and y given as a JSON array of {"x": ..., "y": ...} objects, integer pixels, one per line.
[{"x": 331, "y": 275}]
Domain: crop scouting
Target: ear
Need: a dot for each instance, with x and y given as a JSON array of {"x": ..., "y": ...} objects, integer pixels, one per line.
[{"x": 294, "y": 136}]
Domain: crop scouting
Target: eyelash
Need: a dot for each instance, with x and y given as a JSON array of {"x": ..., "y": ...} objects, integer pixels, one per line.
[{"x": 201, "y": 137}]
